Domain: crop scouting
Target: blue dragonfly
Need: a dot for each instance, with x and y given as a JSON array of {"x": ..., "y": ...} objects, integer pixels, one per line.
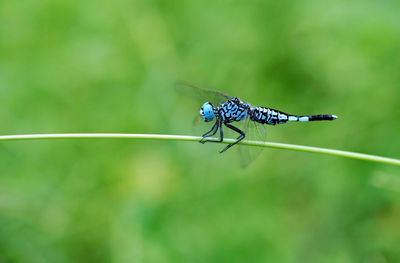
[{"x": 226, "y": 110}]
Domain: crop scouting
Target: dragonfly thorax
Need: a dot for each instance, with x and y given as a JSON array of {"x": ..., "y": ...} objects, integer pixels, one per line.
[{"x": 233, "y": 110}]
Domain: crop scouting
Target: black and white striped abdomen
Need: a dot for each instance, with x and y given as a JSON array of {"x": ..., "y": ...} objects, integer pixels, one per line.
[
  {"x": 272, "y": 117},
  {"x": 268, "y": 116}
]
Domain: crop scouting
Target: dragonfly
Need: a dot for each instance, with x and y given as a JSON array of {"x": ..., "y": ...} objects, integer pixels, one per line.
[{"x": 227, "y": 110}]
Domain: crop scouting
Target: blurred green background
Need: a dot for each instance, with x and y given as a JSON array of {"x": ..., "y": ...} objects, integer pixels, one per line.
[{"x": 109, "y": 66}]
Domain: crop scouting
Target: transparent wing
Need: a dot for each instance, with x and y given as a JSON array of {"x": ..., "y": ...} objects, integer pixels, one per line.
[
  {"x": 201, "y": 95},
  {"x": 199, "y": 127},
  {"x": 254, "y": 132}
]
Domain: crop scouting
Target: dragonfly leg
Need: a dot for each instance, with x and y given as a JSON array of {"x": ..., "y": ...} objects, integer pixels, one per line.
[
  {"x": 221, "y": 132},
  {"x": 213, "y": 131},
  {"x": 238, "y": 139}
]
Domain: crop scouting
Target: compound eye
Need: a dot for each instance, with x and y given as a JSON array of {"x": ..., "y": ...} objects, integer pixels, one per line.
[{"x": 207, "y": 112}]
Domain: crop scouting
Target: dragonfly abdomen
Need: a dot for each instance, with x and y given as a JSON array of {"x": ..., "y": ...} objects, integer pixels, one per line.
[
  {"x": 270, "y": 116},
  {"x": 320, "y": 117}
]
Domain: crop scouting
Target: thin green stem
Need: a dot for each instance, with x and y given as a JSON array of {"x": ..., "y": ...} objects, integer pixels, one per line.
[{"x": 346, "y": 154}]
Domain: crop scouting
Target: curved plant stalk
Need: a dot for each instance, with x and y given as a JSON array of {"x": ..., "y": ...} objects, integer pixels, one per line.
[{"x": 346, "y": 154}]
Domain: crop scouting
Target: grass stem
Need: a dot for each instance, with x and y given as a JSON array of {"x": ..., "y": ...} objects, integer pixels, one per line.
[{"x": 346, "y": 154}]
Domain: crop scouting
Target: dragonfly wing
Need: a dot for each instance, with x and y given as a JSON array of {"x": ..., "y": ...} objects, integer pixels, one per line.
[
  {"x": 201, "y": 95},
  {"x": 254, "y": 132}
]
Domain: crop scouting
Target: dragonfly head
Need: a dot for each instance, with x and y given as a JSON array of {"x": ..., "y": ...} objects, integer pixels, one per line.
[{"x": 207, "y": 112}]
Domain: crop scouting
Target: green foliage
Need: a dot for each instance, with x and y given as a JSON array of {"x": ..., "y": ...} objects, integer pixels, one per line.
[{"x": 109, "y": 66}]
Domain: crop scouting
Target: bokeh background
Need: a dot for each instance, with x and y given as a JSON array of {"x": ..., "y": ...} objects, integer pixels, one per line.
[{"x": 109, "y": 66}]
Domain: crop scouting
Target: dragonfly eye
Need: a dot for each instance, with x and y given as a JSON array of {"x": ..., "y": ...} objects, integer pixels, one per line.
[{"x": 207, "y": 112}]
